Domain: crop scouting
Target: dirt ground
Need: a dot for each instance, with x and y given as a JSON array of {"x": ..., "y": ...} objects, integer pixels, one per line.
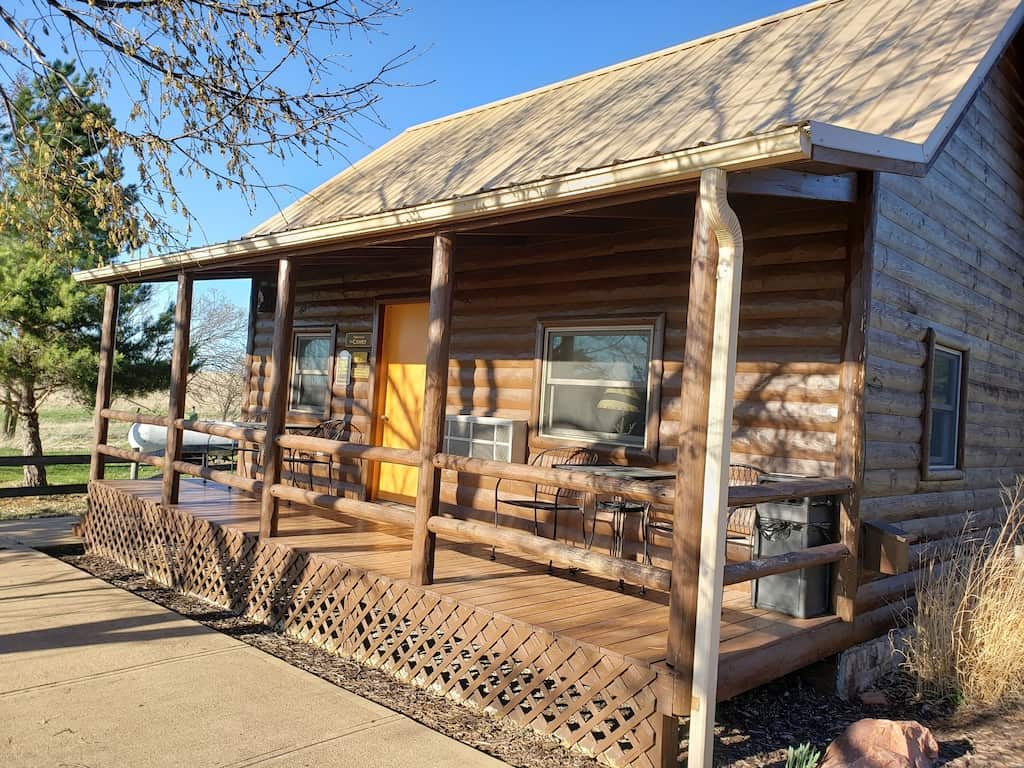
[{"x": 753, "y": 730}]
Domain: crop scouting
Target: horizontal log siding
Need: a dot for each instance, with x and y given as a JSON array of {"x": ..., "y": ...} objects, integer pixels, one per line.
[
  {"x": 949, "y": 254},
  {"x": 790, "y": 331}
]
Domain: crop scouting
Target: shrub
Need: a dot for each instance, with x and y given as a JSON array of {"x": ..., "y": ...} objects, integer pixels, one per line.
[{"x": 967, "y": 644}]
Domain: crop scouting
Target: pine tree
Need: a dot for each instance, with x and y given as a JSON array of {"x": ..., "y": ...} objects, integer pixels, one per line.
[{"x": 49, "y": 324}]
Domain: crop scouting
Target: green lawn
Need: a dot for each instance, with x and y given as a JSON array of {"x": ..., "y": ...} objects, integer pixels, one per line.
[
  {"x": 66, "y": 427},
  {"x": 67, "y": 474}
]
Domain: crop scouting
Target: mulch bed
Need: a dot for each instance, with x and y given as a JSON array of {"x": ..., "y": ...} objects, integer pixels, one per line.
[{"x": 753, "y": 730}]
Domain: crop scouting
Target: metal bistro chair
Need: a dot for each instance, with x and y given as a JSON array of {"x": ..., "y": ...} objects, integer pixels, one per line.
[
  {"x": 741, "y": 520},
  {"x": 549, "y": 498},
  {"x": 333, "y": 429},
  {"x": 615, "y": 511}
]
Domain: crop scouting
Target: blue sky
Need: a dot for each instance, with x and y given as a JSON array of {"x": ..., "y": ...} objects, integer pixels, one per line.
[{"x": 471, "y": 53}]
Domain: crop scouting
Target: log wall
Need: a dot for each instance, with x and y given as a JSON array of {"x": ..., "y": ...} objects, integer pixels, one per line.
[
  {"x": 949, "y": 255},
  {"x": 787, "y": 386}
]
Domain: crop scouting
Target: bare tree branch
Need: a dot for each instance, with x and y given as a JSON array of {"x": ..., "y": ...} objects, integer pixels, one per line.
[{"x": 213, "y": 86}]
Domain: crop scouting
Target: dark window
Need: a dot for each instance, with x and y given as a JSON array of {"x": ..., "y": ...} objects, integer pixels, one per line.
[
  {"x": 311, "y": 358},
  {"x": 945, "y": 410},
  {"x": 946, "y": 389},
  {"x": 596, "y": 383}
]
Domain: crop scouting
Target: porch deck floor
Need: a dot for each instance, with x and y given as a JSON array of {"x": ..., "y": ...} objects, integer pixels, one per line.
[{"x": 579, "y": 606}]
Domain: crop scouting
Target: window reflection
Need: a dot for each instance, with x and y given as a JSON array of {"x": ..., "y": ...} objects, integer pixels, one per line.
[{"x": 595, "y": 384}]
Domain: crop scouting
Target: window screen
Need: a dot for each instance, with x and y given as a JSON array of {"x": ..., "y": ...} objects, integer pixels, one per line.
[
  {"x": 595, "y": 384},
  {"x": 311, "y": 358}
]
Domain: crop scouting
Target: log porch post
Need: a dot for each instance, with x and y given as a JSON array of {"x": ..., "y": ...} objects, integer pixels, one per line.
[
  {"x": 179, "y": 380},
  {"x": 435, "y": 395},
  {"x": 725, "y": 227},
  {"x": 689, "y": 498},
  {"x": 850, "y": 437},
  {"x": 104, "y": 380},
  {"x": 277, "y": 400},
  {"x": 171, "y": 480}
]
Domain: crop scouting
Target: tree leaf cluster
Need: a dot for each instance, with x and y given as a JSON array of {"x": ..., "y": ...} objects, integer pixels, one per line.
[{"x": 212, "y": 88}]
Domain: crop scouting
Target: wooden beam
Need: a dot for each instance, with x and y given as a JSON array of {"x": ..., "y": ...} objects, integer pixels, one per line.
[
  {"x": 247, "y": 468},
  {"x": 714, "y": 519},
  {"x": 42, "y": 490},
  {"x": 850, "y": 435},
  {"x": 566, "y": 555},
  {"x": 277, "y": 398},
  {"x": 569, "y": 479},
  {"x": 242, "y": 434},
  {"x": 104, "y": 379},
  {"x": 748, "y": 570},
  {"x": 435, "y": 395},
  {"x": 365, "y": 510},
  {"x": 45, "y": 461},
  {"x": 751, "y": 667},
  {"x": 342, "y": 450},
  {"x": 133, "y": 457},
  {"x": 884, "y": 548},
  {"x": 676, "y": 685},
  {"x": 131, "y": 417},
  {"x": 693, "y": 421},
  {"x": 779, "y": 182},
  {"x": 179, "y": 379},
  {"x": 221, "y": 476}
]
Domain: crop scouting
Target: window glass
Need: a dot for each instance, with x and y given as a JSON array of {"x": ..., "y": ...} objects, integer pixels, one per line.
[
  {"x": 945, "y": 408},
  {"x": 595, "y": 384},
  {"x": 310, "y": 366}
]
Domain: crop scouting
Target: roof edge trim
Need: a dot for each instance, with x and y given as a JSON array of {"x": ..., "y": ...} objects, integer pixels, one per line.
[
  {"x": 947, "y": 124},
  {"x": 846, "y": 146},
  {"x": 783, "y": 145}
]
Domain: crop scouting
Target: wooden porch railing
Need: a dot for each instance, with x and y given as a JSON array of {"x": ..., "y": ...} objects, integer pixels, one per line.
[
  {"x": 703, "y": 445},
  {"x": 521, "y": 542}
]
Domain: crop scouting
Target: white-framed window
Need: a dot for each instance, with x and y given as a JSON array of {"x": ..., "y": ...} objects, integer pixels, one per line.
[
  {"x": 596, "y": 383},
  {"x": 943, "y": 442},
  {"x": 312, "y": 352},
  {"x": 945, "y": 409}
]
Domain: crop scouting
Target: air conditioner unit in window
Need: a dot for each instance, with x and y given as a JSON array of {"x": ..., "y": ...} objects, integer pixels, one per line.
[{"x": 485, "y": 437}]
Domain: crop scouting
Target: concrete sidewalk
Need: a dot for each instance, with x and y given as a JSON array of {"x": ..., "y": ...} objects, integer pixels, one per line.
[
  {"x": 91, "y": 675},
  {"x": 40, "y": 531}
]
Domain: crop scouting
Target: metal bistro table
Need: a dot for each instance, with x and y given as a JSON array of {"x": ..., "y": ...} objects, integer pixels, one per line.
[{"x": 620, "y": 509}]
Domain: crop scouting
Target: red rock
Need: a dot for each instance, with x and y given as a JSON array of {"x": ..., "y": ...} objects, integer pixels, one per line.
[{"x": 873, "y": 743}]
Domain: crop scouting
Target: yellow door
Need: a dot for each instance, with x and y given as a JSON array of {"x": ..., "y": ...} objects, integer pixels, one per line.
[{"x": 402, "y": 369}]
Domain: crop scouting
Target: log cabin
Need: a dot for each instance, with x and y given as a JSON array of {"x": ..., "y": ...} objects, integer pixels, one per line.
[{"x": 501, "y": 371}]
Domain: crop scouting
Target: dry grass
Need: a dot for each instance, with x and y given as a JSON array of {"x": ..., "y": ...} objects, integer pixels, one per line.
[{"x": 968, "y": 640}]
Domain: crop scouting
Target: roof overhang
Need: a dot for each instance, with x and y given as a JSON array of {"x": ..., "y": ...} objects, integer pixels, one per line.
[
  {"x": 809, "y": 141},
  {"x": 777, "y": 147}
]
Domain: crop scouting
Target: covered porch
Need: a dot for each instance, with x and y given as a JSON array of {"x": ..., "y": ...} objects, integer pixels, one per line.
[
  {"x": 563, "y": 652},
  {"x": 413, "y": 587}
]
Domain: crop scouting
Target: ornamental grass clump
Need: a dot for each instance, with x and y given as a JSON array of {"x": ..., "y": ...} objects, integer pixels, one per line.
[
  {"x": 967, "y": 643},
  {"x": 804, "y": 756}
]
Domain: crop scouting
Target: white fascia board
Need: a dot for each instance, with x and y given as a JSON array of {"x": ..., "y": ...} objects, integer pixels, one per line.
[
  {"x": 866, "y": 150},
  {"x": 777, "y": 147}
]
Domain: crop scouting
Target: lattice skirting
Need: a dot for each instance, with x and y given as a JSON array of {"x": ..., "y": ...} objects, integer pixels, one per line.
[{"x": 596, "y": 702}]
